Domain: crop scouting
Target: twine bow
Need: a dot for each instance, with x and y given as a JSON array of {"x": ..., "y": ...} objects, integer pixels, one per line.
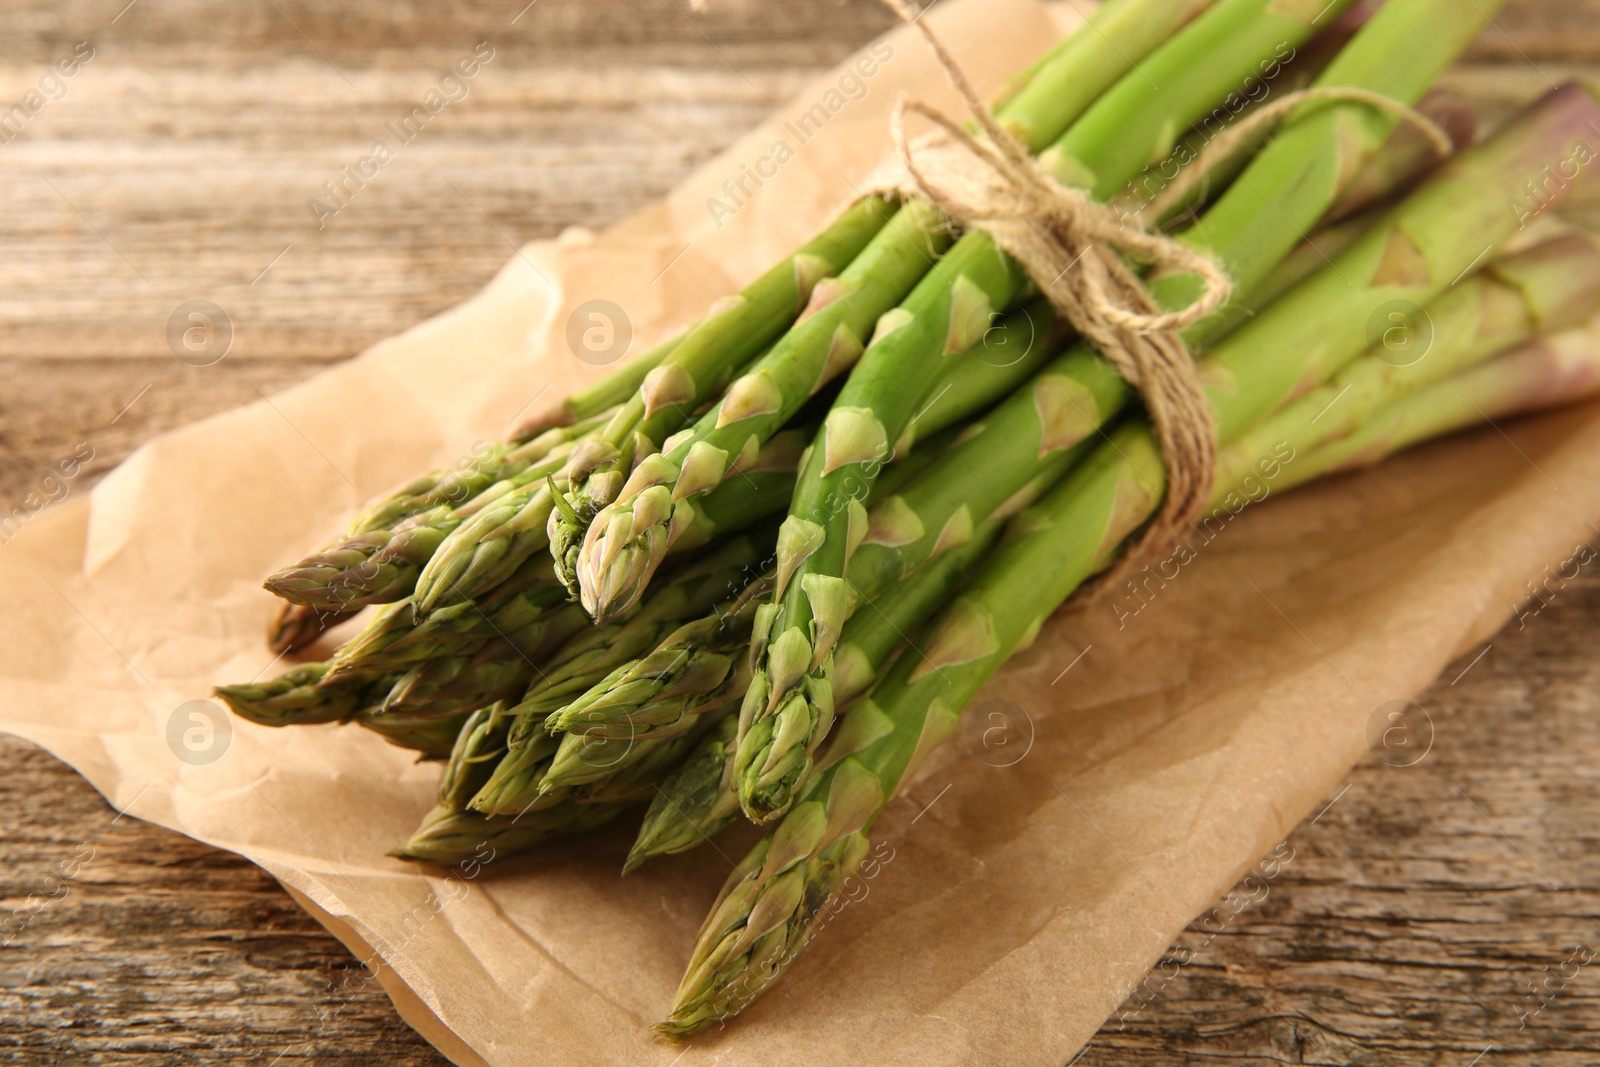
[{"x": 1077, "y": 250}]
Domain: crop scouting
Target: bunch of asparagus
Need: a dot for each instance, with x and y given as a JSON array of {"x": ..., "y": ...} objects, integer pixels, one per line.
[{"x": 896, "y": 461}]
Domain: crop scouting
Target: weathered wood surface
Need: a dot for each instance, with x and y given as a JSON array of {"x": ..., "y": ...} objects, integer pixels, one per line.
[{"x": 1416, "y": 910}]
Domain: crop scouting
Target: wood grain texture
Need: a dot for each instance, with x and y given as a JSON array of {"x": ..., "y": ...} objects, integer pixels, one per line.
[{"x": 1416, "y": 909}]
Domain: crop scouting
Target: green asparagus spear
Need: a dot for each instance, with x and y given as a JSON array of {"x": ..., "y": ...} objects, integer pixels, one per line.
[
  {"x": 592, "y": 759},
  {"x": 526, "y": 606},
  {"x": 695, "y": 802},
  {"x": 1407, "y": 155},
  {"x": 478, "y": 746},
  {"x": 295, "y": 626},
  {"x": 1322, "y": 144},
  {"x": 1141, "y": 118},
  {"x": 652, "y": 760},
  {"x": 452, "y": 686},
  {"x": 448, "y": 836},
  {"x": 1298, "y": 68},
  {"x": 431, "y": 736},
  {"x": 293, "y": 699}
]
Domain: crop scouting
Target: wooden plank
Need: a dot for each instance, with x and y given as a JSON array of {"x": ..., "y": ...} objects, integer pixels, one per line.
[{"x": 1405, "y": 928}]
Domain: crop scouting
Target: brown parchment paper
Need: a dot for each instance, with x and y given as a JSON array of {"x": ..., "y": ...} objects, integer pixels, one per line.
[{"x": 1154, "y": 759}]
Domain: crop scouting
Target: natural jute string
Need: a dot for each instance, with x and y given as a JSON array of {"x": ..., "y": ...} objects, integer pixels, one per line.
[
  {"x": 1076, "y": 250},
  {"x": 1235, "y": 136}
]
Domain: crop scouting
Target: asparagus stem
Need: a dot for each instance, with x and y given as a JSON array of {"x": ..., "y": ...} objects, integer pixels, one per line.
[
  {"x": 875, "y": 633},
  {"x": 767, "y": 909},
  {"x": 525, "y": 606},
  {"x": 295, "y": 626},
  {"x": 1141, "y": 117},
  {"x": 1407, "y": 155},
  {"x": 1304, "y": 260},
  {"x": 696, "y": 802},
  {"x": 1541, "y": 373},
  {"x": 1009, "y": 354},
  {"x": 1013, "y": 350},
  {"x": 432, "y": 736},
  {"x": 1298, "y": 69},
  {"x": 1543, "y": 289},
  {"x": 451, "y": 686},
  {"x": 294, "y": 698},
  {"x": 659, "y": 694},
  {"x": 448, "y": 836},
  {"x": 596, "y": 760},
  {"x": 1062, "y": 85}
]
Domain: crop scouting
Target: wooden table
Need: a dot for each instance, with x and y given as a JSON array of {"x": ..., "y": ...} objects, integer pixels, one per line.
[{"x": 1420, "y": 904}]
